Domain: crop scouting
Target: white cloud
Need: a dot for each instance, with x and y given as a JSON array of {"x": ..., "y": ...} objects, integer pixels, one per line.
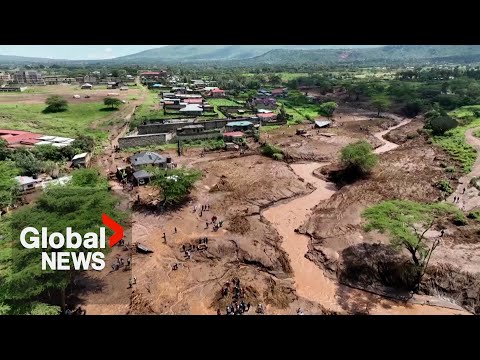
[{"x": 108, "y": 50}]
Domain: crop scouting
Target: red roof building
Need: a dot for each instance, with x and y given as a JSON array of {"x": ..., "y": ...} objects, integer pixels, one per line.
[
  {"x": 268, "y": 116},
  {"x": 217, "y": 93},
  {"x": 16, "y": 138},
  {"x": 193, "y": 100}
]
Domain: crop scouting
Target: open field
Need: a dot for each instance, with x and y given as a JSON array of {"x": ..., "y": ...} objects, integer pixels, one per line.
[
  {"x": 38, "y": 94},
  {"x": 76, "y": 120}
]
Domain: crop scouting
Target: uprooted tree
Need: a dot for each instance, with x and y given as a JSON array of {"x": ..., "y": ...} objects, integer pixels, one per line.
[
  {"x": 175, "y": 184},
  {"x": 407, "y": 222}
]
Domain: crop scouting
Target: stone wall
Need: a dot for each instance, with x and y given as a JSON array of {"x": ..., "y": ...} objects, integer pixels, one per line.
[{"x": 144, "y": 140}]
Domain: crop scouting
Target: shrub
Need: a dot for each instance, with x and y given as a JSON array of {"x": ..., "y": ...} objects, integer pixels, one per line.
[
  {"x": 277, "y": 156},
  {"x": 440, "y": 125},
  {"x": 269, "y": 150},
  {"x": 359, "y": 157},
  {"x": 444, "y": 186},
  {"x": 55, "y": 103},
  {"x": 460, "y": 219},
  {"x": 475, "y": 215}
]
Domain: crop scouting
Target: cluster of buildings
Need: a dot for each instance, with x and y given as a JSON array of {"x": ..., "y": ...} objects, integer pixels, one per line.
[
  {"x": 13, "y": 81},
  {"x": 17, "y": 138}
]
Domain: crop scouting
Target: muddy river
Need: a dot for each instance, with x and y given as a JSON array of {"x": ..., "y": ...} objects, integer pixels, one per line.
[{"x": 310, "y": 281}]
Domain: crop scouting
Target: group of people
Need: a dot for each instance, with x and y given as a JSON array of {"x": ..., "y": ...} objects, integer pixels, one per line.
[
  {"x": 236, "y": 308},
  {"x": 120, "y": 262}
]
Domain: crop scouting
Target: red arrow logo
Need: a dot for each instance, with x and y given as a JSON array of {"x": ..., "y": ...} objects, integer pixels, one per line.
[{"x": 116, "y": 227}]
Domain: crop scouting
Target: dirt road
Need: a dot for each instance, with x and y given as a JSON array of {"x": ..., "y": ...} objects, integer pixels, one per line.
[
  {"x": 387, "y": 146},
  {"x": 310, "y": 281},
  {"x": 469, "y": 196}
]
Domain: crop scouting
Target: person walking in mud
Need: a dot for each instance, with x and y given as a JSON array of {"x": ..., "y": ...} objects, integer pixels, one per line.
[
  {"x": 175, "y": 230},
  {"x": 164, "y": 238}
]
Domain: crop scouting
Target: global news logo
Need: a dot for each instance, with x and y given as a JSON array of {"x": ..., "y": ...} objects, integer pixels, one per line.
[{"x": 32, "y": 238}]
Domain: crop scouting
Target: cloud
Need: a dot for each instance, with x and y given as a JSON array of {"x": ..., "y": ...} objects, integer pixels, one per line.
[
  {"x": 108, "y": 50},
  {"x": 107, "y": 53}
]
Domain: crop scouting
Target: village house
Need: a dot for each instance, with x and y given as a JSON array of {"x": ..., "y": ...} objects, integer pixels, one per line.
[
  {"x": 263, "y": 103},
  {"x": 217, "y": 93},
  {"x": 16, "y": 138},
  {"x": 81, "y": 160},
  {"x": 262, "y": 93},
  {"x": 321, "y": 123},
  {"x": 190, "y": 130},
  {"x": 149, "y": 158},
  {"x": 26, "y": 183},
  {"x": 279, "y": 92},
  {"x": 153, "y": 75},
  {"x": 58, "y": 79},
  {"x": 242, "y": 126},
  {"x": 192, "y": 110},
  {"x": 234, "y": 136},
  {"x": 266, "y": 117},
  {"x": 141, "y": 177},
  {"x": 90, "y": 79},
  {"x": 87, "y": 86},
  {"x": 199, "y": 84}
]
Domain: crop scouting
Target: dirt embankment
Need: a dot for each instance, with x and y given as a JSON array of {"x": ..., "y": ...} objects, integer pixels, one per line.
[
  {"x": 340, "y": 246},
  {"x": 246, "y": 246}
]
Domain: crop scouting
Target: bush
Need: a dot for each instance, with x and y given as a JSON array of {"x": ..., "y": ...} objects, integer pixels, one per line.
[
  {"x": 270, "y": 150},
  {"x": 460, "y": 219},
  {"x": 412, "y": 109},
  {"x": 277, "y": 156},
  {"x": 55, "y": 103},
  {"x": 444, "y": 186},
  {"x": 440, "y": 125},
  {"x": 475, "y": 215},
  {"x": 359, "y": 157},
  {"x": 450, "y": 169}
]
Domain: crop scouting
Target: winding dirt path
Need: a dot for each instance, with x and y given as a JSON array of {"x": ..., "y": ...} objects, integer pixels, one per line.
[
  {"x": 469, "y": 199},
  {"x": 310, "y": 281}
]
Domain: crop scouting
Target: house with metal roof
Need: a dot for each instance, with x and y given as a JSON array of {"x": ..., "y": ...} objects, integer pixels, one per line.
[
  {"x": 239, "y": 126},
  {"x": 149, "y": 158},
  {"x": 322, "y": 123}
]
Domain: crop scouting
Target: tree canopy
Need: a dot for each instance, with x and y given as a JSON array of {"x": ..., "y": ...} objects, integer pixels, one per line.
[
  {"x": 24, "y": 287},
  {"x": 359, "y": 157},
  {"x": 381, "y": 103},
  {"x": 8, "y": 185},
  {"x": 441, "y": 124},
  {"x": 112, "y": 102},
  {"x": 175, "y": 184},
  {"x": 327, "y": 109},
  {"x": 56, "y": 103}
]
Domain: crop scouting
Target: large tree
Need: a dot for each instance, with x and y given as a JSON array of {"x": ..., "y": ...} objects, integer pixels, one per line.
[
  {"x": 56, "y": 103},
  {"x": 359, "y": 157},
  {"x": 407, "y": 222},
  {"x": 4, "y": 152},
  {"x": 112, "y": 102},
  {"x": 24, "y": 286},
  {"x": 381, "y": 103},
  {"x": 441, "y": 124},
  {"x": 8, "y": 185},
  {"x": 327, "y": 109},
  {"x": 174, "y": 184}
]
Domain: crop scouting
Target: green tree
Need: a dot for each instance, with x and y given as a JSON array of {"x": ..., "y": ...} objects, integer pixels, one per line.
[
  {"x": 283, "y": 113},
  {"x": 175, "y": 184},
  {"x": 8, "y": 184},
  {"x": 112, "y": 102},
  {"x": 407, "y": 223},
  {"x": 47, "y": 152},
  {"x": 22, "y": 281},
  {"x": 359, "y": 157},
  {"x": 55, "y": 103},
  {"x": 88, "y": 178},
  {"x": 84, "y": 143},
  {"x": 327, "y": 109},
  {"x": 4, "y": 152},
  {"x": 26, "y": 161},
  {"x": 441, "y": 124},
  {"x": 381, "y": 103}
]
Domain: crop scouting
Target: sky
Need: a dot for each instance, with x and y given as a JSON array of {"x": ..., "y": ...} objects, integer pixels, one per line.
[{"x": 74, "y": 52}]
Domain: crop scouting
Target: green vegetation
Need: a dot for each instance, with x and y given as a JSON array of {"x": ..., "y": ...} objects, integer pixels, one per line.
[
  {"x": 407, "y": 222},
  {"x": 8, "y": 185},
  {"x": 454, "y": 141},
  {"x": 272, "y": 151},
  {"x": 24, "y": 287},
  {"x": 55, "y": 103},
  {"x": 112, "y": 102},
  {"x": 269, "y": 128},
  {"x": 73, "y": 122},
  {"x": 175, "y": 184},
  {"x": 89, "y": 178},
  {"x": 221, "y": 102},
  {"x": 475, "y": 215},
  {"x": 440, "y": 125},
  {"x": 381, "y": 103},
  {"x": 359, "y": 158},
  {"x": 444, "y": 186},
  {"x": 327, "y": 109}
]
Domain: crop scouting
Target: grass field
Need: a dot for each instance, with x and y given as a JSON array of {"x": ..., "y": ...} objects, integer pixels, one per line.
[
  {"x": 221, "y": 102},
  {"x": 286, "y": 76},
  {"x": 76, "y": 120},
  {"x": 454, "y": 140}
]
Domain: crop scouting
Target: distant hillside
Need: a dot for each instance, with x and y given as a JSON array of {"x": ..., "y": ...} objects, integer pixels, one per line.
[
  {"x": 385, "y": 54},
  {"x": 187, "y": 53},
  {"x": 12, "y": 60}
]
